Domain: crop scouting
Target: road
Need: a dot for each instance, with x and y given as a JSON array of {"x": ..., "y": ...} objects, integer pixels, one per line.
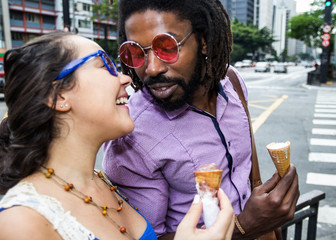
[{"x": 284, "y": 108}]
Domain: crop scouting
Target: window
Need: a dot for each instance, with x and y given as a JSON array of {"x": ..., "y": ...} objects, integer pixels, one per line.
[
  {"x": 31, "y": 17},
  {"x": 84, "y": 24},
  {"x": 14, "y": 15}
]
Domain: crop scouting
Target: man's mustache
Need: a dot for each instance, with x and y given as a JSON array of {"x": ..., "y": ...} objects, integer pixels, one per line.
[{"x": 162, "y": 79}]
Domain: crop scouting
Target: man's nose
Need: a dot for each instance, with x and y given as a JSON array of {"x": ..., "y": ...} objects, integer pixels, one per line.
[{"x": 154, "y": 65}]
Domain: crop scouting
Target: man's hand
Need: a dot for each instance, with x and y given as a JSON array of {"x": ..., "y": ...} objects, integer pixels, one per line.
[{"x": 270, "y": 205}]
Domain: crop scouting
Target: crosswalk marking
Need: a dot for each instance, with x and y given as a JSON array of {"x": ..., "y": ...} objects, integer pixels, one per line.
[
  {"x": 324, "y": 131},
  {"x": 322, "y": 157},
  {"x": 321, "y": 179},
  {"x": 323, "y": 142},
  {"x": 324, "y": 122},
  {"x": 324, "y": 115},
  {"x": 325, "y": 106},
  {"x": 320, "y": 110}
]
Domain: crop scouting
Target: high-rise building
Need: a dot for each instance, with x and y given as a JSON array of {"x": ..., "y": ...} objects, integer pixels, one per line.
[{"x": 242, "y": 10}]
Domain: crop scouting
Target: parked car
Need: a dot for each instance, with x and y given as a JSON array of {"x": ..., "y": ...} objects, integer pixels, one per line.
[
  {"x": 262, "y": 67},
  {"x": 2, "y": 79},
  {"x": 247, "y": 63},
  {"x": 238, "y": 64},
  {"x": 280, "y": 68}
]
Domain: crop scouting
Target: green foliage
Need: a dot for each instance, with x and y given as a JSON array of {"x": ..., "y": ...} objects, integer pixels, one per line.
[
  {"x": 248, "y": 38},
  {"x": 308, "y": 26},
  {"x": 103, "y": 10}
]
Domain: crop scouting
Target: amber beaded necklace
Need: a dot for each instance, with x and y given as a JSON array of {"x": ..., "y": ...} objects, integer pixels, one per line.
[{"x": 69, "y": 187}]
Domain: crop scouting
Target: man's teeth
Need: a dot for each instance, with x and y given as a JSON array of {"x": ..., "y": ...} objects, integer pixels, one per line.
[
  {"x": 121, "y": 101},
  {"x": 161, "y": 89}
]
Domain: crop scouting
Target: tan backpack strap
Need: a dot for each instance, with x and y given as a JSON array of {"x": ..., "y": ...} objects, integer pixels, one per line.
[{"x": 255, "y": 173}]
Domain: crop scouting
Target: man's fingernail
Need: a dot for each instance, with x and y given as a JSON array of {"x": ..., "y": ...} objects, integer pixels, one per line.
[{"x": 196, "y": 199}]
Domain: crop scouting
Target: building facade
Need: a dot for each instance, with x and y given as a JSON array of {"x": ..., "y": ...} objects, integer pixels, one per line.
[
  {"x": 31, "y": 18},
  {"x": 242, "y": 10}
]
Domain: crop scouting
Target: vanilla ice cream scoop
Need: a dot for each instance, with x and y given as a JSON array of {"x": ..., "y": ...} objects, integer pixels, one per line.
[{"x": 208, "y": 180}]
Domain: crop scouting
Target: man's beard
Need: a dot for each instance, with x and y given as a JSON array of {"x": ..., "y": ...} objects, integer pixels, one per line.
[{"x": 188, "y": 88}]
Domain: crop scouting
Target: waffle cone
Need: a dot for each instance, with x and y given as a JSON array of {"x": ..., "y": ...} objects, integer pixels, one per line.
[
  {"x": 212, "y": 178},
  {"x": 280, "y": 156}
]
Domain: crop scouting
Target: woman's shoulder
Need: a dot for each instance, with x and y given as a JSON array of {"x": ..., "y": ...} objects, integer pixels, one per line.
[{"x": 21, "y": 222}]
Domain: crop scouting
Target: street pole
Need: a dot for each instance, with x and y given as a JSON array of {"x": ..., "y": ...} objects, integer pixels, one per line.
[
  {"x": 326, "y": 42},
  {"x": 66, "y": 15}
]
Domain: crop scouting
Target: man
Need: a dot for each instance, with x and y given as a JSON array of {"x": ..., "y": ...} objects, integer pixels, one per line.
[{"x": 187, "y": 114}]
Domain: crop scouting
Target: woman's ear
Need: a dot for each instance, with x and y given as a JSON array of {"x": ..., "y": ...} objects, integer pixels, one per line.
[{"x": 62, "y": 104}]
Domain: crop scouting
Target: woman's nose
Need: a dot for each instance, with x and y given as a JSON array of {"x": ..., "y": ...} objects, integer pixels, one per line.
[{"x": 125, "y": 80}]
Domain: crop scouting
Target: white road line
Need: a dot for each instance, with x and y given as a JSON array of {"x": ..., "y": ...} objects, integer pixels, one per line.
[
  {"x": 324, "y": 131},
  {"x": 323, "y": 142},
  {"x": 324, "y": 122},
  {"x": 325, "y": 106},
  {"x": 322, "y": 157},
  {"x": 325, "y": 110},
  {"x": 321, "y": 179},
  {"x": 324, "y": 115}
]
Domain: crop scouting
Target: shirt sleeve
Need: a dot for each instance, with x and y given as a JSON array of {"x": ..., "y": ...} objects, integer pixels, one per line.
[{"x": 131, "y": 169}]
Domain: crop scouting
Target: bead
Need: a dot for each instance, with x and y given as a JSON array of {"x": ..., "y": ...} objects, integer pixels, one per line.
[
  {"x": 119, "y": 209},
  {"x": 122, "y": 229},
  {"x": 120, "y": 202},
  {"x": 113, "y": 188},
  {"x": 71, "y": 185},
  {"x": 48, "y": 175},
  {"x": 100, "y": 174},
  {"x": 104, "y": 212},
  {"x": 126, "y": 199},
  {"x": 51, "y": 170},
  {"x": 136, "y": 208},
  {"x": 88, "y": 199},
  {"x": 105, "y": 207},
  {"x": 67, "y": 188}
]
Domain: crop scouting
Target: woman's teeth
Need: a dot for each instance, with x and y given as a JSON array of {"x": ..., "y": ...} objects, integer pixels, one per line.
[{"x": 122, "y": 101}]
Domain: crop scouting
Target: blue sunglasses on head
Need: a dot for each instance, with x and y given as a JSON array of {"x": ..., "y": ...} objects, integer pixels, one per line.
[{"x": 72, "y": 66}]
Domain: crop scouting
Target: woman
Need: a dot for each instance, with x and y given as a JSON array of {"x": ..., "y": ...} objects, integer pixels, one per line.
[{"x": 65, "y": 98}]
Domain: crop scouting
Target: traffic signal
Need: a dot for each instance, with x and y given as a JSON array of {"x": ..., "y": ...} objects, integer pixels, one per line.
[{"x": 327, "y": 11}]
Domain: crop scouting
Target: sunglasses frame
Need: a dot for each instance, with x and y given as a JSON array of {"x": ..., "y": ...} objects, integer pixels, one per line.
[
  {"x": 144, "y": 49},
  {"x": 72, "y": 66}
]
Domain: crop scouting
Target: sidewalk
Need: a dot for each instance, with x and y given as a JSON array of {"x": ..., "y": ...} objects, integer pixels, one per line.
[{"x": 330, "y": 85}]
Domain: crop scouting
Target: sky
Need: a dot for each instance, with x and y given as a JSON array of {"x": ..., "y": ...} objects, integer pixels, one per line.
[{"x": 303, "y": 5}]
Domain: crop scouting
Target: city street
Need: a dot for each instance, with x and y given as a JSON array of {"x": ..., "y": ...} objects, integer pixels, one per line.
[{"x": 284, "y": 108}]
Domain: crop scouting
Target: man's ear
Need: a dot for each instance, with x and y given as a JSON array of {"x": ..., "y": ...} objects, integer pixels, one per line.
[
  {"x": 204, "y": 46},
  {"x": 62, "y": 103}
]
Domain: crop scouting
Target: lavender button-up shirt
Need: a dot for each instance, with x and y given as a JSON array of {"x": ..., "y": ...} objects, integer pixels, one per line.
[{"x": 153, "y": 166}]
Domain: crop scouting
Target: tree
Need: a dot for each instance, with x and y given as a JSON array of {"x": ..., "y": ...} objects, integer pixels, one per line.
[
  {"x": 307, "y": 27},
  {"x": 105, "y": 10},
  {"x": 248, "y": 38}
]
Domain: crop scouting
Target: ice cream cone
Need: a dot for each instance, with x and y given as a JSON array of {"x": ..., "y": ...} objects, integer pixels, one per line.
[
  {"x": 280, "y": 154},
  {"x": 211, "y": 178}
]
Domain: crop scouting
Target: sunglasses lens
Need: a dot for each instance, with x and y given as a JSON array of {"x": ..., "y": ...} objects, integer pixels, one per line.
[
  {"x": 131, "y": 54},
  {"x": 110, "y": 64},
  {"x": 165, "y": 47}
]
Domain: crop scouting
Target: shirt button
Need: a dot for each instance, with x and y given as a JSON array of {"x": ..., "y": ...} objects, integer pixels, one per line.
[{"x": 244, "y": 196}]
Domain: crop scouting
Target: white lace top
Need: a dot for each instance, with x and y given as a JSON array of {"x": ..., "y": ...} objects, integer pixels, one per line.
[{"x": 25, "y": 194}]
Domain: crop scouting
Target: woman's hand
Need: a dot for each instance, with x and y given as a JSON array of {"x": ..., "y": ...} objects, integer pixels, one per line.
[{"x": 221, "y": 229}]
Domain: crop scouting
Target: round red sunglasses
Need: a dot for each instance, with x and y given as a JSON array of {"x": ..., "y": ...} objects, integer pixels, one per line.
[{"x": 164, "y": 46}]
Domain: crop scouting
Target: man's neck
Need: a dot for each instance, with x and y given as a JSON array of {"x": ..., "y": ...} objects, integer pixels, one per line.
[{"x": 206, "y": 102}]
